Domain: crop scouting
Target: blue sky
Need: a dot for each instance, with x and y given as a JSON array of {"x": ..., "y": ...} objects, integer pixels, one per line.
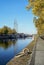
[{"x": 11, "y": 10}]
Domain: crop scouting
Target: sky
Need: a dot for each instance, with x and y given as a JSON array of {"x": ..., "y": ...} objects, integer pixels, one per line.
[{"x": 15, "y": 10}]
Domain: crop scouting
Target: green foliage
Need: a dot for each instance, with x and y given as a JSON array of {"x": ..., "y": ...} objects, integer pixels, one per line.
[
  {"x": 37, "y": 7},
  {"x": 7, "y": 30}
]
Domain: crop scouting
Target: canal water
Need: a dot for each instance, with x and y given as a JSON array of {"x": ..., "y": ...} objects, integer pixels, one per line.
[{"x": 10, "y": 48}]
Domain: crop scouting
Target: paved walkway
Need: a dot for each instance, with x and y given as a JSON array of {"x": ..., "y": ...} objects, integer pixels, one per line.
[{"x": 38, "y": 55}]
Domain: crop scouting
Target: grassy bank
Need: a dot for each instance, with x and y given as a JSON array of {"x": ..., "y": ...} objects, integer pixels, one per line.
[{"x": 31, "y": 45}]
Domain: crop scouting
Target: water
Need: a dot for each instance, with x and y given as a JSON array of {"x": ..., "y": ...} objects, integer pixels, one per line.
[{"x": 8, "y": 49}]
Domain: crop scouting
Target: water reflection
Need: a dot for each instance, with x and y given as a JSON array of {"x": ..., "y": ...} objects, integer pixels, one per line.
[
  {"x": 7, "y": 43},
  {"x": 10, "y": 48}
]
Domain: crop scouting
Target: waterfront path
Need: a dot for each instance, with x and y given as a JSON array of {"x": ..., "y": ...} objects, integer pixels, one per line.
[
  {"x": 36, "y": 58},
  {"x": 38, "y": 53}
]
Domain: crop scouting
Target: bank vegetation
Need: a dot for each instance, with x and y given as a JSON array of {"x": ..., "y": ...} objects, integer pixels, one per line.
[{"x": 7, "y": 30}]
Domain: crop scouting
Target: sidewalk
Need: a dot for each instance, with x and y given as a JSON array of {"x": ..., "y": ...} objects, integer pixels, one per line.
[{"x": 38, "y": 57}]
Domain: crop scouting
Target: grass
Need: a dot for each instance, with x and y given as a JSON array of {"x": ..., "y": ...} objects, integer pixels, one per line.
[{"x": 31, "y": 45}]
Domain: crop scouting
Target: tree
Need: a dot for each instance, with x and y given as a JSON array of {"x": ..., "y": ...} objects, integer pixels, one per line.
[
  {"x": 37, "y": 7},
  {"x": 7, "y": 30}
]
